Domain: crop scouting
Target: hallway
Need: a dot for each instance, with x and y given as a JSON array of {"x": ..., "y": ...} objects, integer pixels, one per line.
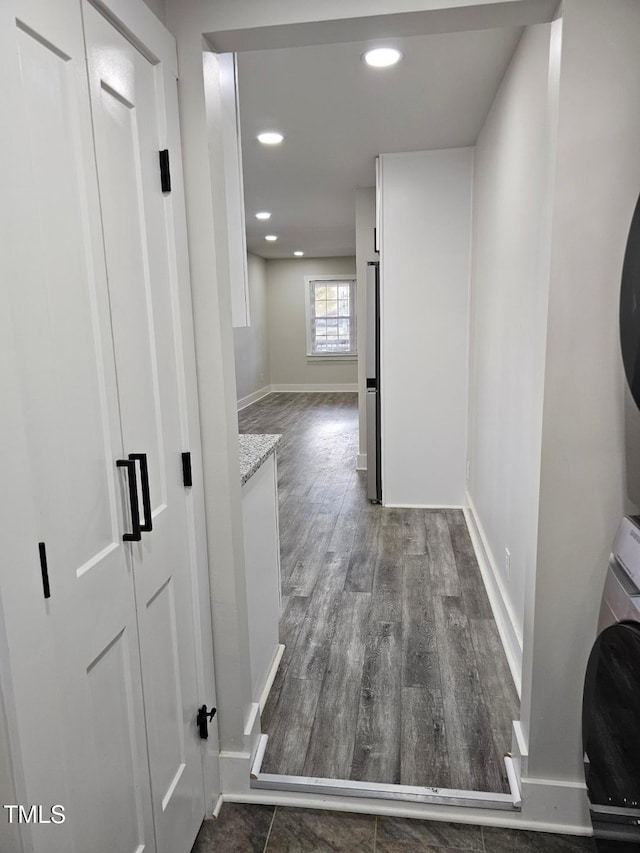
[{"x": 393, "y": 669}]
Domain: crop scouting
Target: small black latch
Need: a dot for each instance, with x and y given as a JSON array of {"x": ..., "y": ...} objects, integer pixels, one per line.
[
  {"x": 186, "y": 469},
  {"x": 203, "y": 719},
  {"x": 42, "y": 548},
  {"x": 165, "y": 172}
]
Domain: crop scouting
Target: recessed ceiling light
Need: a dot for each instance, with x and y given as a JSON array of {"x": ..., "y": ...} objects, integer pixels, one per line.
[
  {"x": 382, "y": 57},
  {"x": 271, "y": 238},
  {"x": 264, "y": 214},
  {"x": 298, "y": 254},
  {"x": 270, "y": 137}
]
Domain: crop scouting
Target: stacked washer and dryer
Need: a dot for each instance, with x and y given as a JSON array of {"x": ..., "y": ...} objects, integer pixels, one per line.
[
  {"x": 611, "y": 706},
  {"x": 611, "y": 702}
]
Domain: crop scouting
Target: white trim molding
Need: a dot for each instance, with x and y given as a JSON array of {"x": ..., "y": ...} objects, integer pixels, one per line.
[
  {"x": 333, "y": 388},
  {"x": 361, "y": 462},
  {"x": 271, "y": 677},
  {"x": 423, "y": 506},
  {"x": 243, "y": 402},
  {"x": 502, "y": 612},
  {"x": 379, "y": 791},
  {"x": 334, "y": 356},
  {"x": 548, "y": 798},
  {"x": 309, "y": 281},
  {"x": 321, "y": 388},
  {"x": 138, "y": 23},
  {"x": 555, "y": 807}
]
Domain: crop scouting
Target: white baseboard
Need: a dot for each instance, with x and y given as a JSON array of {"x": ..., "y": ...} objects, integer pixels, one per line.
[
  {"x": 234, "y": 772},
  {"x": 334, "y": 388},
  {"x": 253, "y": 719},
  {"x": 423, "y": 506},
  {"x": 271, "y": 677},
  {"x": 519, "y": 750},
  {"x": 218, "y": 806},
  {"x": 361, "y": 462},
  {"x": 243, "y": 402},
  {"x": 321, "y": 388},
  {"x": 550, "y": 802},
  {"x": 500, "y": 606}
]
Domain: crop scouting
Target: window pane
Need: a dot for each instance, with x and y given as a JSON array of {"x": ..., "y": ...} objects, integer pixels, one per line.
[{"x": 332, "y": 321}]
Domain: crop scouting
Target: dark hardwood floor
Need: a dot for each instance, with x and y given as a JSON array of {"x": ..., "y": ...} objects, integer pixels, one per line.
[{"x": 393, "y": 669}]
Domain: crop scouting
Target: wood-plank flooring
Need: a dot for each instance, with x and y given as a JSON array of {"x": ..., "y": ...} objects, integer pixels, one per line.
[{"x": 393, "y": 669}]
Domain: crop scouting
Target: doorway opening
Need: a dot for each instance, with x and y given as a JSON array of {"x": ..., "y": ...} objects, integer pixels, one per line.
[
  {"x": 394, "y": 682},
  {"x": 393, "y": 673}
]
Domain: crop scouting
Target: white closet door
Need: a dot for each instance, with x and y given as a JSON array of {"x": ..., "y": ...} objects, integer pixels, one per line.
[
  {"x": 74, "y": 661},
  {"x": 129, "y": 126}
]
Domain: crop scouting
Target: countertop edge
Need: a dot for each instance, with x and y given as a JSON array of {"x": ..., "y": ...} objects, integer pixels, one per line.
[{"x": 255, "y": 448}]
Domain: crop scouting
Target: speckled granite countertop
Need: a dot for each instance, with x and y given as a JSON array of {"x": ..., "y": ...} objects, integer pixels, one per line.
[{"x": 254, "y": 449}]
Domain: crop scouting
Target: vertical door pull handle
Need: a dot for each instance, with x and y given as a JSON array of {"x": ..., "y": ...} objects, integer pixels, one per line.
[
  {"x": 147, "y": 527},
  {"x": 187, "y": 478},
  {"x": 135, "y": 535},
  {"x": 165, "y": 170},
  {"x": 44, "y": 569}
]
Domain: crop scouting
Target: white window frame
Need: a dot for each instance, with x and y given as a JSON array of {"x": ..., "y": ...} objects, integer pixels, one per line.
[{"x": 308, "y": 288}]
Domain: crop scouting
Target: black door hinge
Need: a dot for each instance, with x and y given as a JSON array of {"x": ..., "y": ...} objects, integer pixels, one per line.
[
  {"x": 203, "y": 719},
  {"x": 165, "y": 171},
  {"x": 187, "y": 479},
  {"x": 44, "y": 569}
]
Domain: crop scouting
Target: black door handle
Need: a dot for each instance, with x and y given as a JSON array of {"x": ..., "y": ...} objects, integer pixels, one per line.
[
  {"x": 135, "y": 535},
  {"x": 147, "y": 527},
  {"x": 203, "y": 720}
]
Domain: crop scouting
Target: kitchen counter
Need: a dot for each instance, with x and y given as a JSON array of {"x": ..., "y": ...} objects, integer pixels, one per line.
[
  {"x": 254, "y": 449},
  {"x": 259, "y": 478}
]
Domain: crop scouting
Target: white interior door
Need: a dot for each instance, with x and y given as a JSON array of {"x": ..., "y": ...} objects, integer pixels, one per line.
[
  {"x": 129, "y": 126},
  {"x": 75, "y": 666}
]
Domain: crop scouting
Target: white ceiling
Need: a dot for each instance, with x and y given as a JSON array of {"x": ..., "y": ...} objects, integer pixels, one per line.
[{"x": 337, "y": 114}]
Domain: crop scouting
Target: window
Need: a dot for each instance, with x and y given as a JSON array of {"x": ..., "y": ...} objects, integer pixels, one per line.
[{"x": 331, "y": 316}]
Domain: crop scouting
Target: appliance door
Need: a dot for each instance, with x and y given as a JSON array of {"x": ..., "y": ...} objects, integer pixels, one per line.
[
  {"x": 372, "y": 445},
  {"x": 630, "y": 307},
  {"x": 374, "y": 479},
  {"x": 611, "y": 732},
  {"x": 373, "y": 325}
]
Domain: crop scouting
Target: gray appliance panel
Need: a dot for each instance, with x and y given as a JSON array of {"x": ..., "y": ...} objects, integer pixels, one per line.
[{"x": 372, "y": 446}]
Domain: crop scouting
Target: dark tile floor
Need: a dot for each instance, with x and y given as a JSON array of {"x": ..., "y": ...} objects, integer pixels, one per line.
[{"x": 270, "y": 829}]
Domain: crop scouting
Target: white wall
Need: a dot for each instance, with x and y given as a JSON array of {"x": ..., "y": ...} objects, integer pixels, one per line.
[
  {"x": 365, "y": 224},
  {"x": 251, "y": 343},
  {"x": 286, "y": 294},
  {"x": 582, "y": 482},
  {"x": 159, "y": 9},
  {"x": 255, "y": 24},
  {"x": 425, "y": 254},
  {"x": 509, "y": 295}
]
